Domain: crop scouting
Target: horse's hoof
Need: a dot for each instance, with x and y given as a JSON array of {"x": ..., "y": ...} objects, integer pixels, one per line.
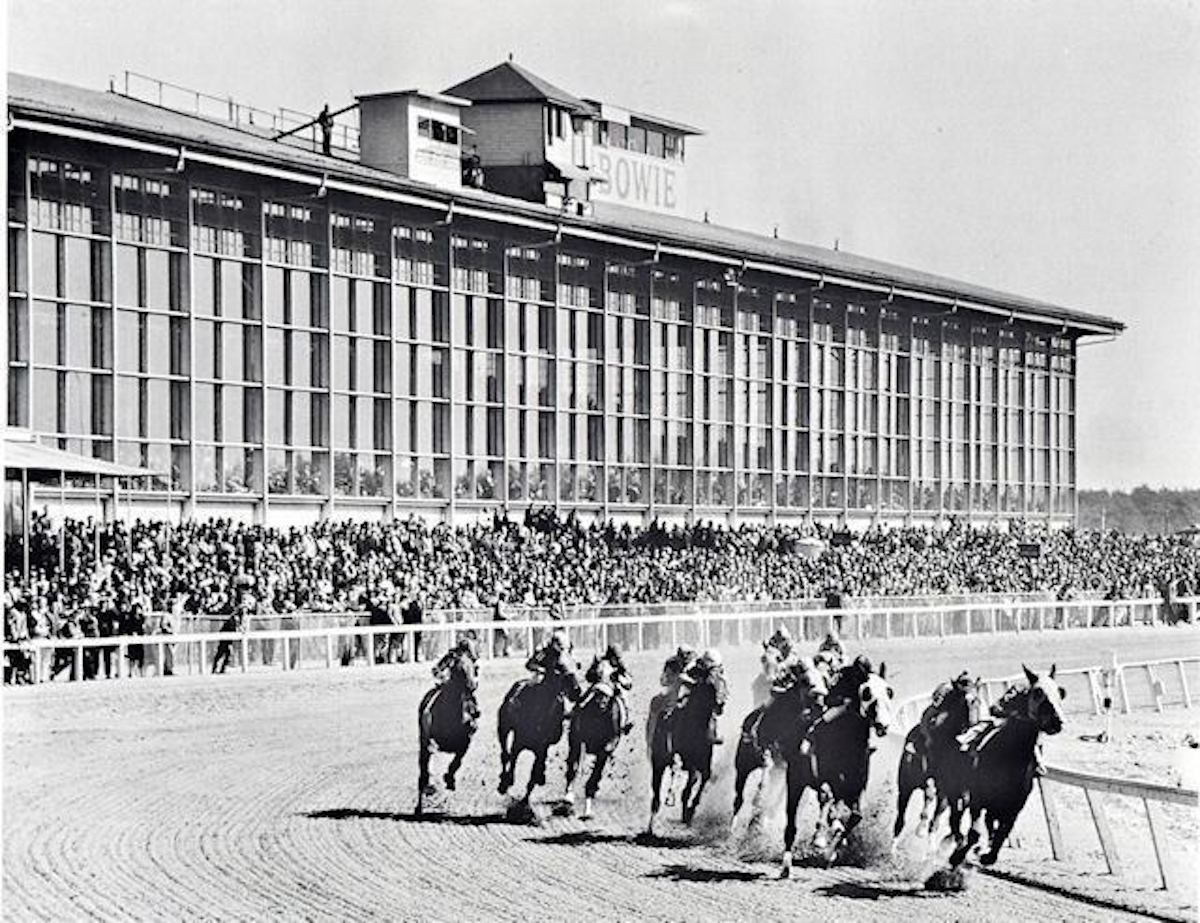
[
  {"x": 988, "y": 858},
  {"x": 785, "y": 870}
]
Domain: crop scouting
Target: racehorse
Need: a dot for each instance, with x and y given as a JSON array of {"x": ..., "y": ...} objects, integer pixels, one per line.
[
  {"x": 836, "y": 761},
  {"x": 446, "y": 722},
  {"x": 932, "y": 740},
  {"x": 595, "y": 728},
  {"x": 774, "y": 730},
  {"x": 993, "y": 775},
  {"x": 531, "y": 718},
  {"x": 685, "y": 732}
]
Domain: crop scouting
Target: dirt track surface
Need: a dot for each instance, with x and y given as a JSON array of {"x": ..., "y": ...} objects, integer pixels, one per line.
[{"x": 290, "y": 795}]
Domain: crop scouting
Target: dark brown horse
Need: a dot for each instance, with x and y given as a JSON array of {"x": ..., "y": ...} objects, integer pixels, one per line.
[
  {"x": 595, "y": 728},
  {"x": 446, "y": 722},
  {"x": 834, "y": 760},
  {"x": 775, "y": 729},
  {"x": 685, "y": 733},
  {"x": 531, "y": 718},
  {"x": 933, "y": 740},
  {"x": 992, "y": 775}
]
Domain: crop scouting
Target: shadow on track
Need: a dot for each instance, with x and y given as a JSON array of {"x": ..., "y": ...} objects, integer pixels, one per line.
[
  {"x": 457, "y": 820},
  {"x": 873, "y": 892},
  {"x": 703, "y": 875},
  {"x": 593, "y": 837}
]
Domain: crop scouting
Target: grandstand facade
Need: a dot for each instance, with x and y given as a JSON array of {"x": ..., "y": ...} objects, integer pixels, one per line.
[{"x": 284, "y": 334}]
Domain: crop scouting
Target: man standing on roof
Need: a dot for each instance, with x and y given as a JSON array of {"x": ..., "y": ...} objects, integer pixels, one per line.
[{"x": 325, "y": 120}]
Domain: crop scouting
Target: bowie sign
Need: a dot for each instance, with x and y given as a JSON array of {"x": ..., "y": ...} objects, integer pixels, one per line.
[{"x": 637, "y": 180}]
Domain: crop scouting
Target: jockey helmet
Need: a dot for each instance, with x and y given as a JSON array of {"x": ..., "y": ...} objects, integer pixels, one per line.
[
  {"x": 831, "y": 642},
  {"x": 711, "y": 657},
  {"x": 559, "y": 639},
  {"x": 467, "y": 646}
]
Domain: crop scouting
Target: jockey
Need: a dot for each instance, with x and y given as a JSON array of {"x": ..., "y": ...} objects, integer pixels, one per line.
[
  {"x": 677, "y": 664},
  {"x": 1004, "y": 709},
  {"x": 441, "y": 672},
  {"x": 781, "y": 641},
  {"x": 708, "y": 663},
  {"x": 608, "y": 675},
  {"x": 672, "y": 682},
  {"x": 837, "y": 702},
  {"x": 929, "y": 717},
  {"x": 831, "y": 651},
  {"x": 551, "y": 657}
]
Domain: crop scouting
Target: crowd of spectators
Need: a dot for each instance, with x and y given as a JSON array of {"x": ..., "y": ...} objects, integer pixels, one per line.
[{"x": 90, "y": 579}]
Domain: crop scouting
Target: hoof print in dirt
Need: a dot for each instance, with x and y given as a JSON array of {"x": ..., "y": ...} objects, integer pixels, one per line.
[
  {"x": 947, "y": 880},
  {"x": 521, "y": 812}
]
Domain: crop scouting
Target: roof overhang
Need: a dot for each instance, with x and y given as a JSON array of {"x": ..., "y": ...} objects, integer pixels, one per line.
[
  {"x": 23, "y": 453},
  {"x": 530, "y": 215}
]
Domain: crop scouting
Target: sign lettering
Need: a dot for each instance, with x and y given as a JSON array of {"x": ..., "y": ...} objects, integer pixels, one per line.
[{"x": 629, "y": 178}]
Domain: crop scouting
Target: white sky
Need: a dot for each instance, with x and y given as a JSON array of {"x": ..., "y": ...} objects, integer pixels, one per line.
[{"x": 1051, "y": 150}]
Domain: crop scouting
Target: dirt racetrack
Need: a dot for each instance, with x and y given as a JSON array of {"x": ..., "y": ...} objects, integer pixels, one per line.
[{"x": 290, "y": 795}]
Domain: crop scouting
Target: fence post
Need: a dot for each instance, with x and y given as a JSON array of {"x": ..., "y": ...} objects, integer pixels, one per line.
[
  {"x": 1041, "y": 618},
  {"x": 641, "y": 637},
  {"x": 203, "y": 657},
  {"x": 1156, "y": 688},
  {"x": 245, "y": 646},
  {"x": 286, "y": 651},
  {"x": 1108, "y": 843},
  {"x": 369, "y": 648},
  {"x": 122, "y": 663},
  {"x": 1124, "y": 690},
  {"x": 1183, "y": 684},
  {"x": 1168, "y": 878},
  {"x": 887, "y": 623},
  {"x": 1057, "y": 846}
]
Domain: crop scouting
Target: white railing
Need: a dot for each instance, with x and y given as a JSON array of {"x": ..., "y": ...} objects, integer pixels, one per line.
[
  {"x": 169, "y": 95},
  {"x": 1150, "y": 794},
  {"x": 387, "y": 643}
]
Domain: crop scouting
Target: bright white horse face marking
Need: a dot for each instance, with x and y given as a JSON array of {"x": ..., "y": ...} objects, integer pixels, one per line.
[
  {"x": 1045, "y": 701},
  {"x": 875, "y": 702}
]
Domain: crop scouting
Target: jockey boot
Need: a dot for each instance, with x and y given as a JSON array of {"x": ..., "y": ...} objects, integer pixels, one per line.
[{"x": 714, "y": 736}]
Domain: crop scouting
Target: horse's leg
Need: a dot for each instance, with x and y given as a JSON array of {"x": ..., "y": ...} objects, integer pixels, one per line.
[
  {"x": 1001, "y": 827},
  {"x": 905, "y": 786},
  {"x": 592, "y": 788},
  {"x": 574, "y": 755},
  {"x": 687, "y": 793},
  {"x": 841, "y": 830},
  {"x": 960, "y": 854},
  {"x": 537, "y": 775},
  {"x": 508, "y": 759},
  {"x": 795, "y": 788},
  {"x": 422, "y": 772},
  {"x": 453, "y": 768},
  {"x": 739, "y": 783},
  {"x": 690, "y": 809},
  {"x": 824, "y": 809},
  {"x": 658, "y": 767}
]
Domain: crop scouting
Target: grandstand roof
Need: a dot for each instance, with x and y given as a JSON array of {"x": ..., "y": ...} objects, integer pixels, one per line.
[
  {"x": 113, "y": 116},
  {"x": 508, "y": 82}
]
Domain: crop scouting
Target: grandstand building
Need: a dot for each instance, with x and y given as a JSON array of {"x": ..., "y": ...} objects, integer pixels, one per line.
[{"x": 485, "y": 296}]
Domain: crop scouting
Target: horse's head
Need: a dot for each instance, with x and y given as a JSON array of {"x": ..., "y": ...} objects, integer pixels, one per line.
[
  {"x": 566, "y": 676},
  {"x": 464, "y": 671},
  {"x": 1044, "y": 702},
  {"x": 770, "y": 661},
  {"x": 875, "y": 696}
]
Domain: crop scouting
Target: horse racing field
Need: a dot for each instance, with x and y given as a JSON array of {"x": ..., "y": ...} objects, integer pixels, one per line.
[{"x": 290, "y": 795}]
